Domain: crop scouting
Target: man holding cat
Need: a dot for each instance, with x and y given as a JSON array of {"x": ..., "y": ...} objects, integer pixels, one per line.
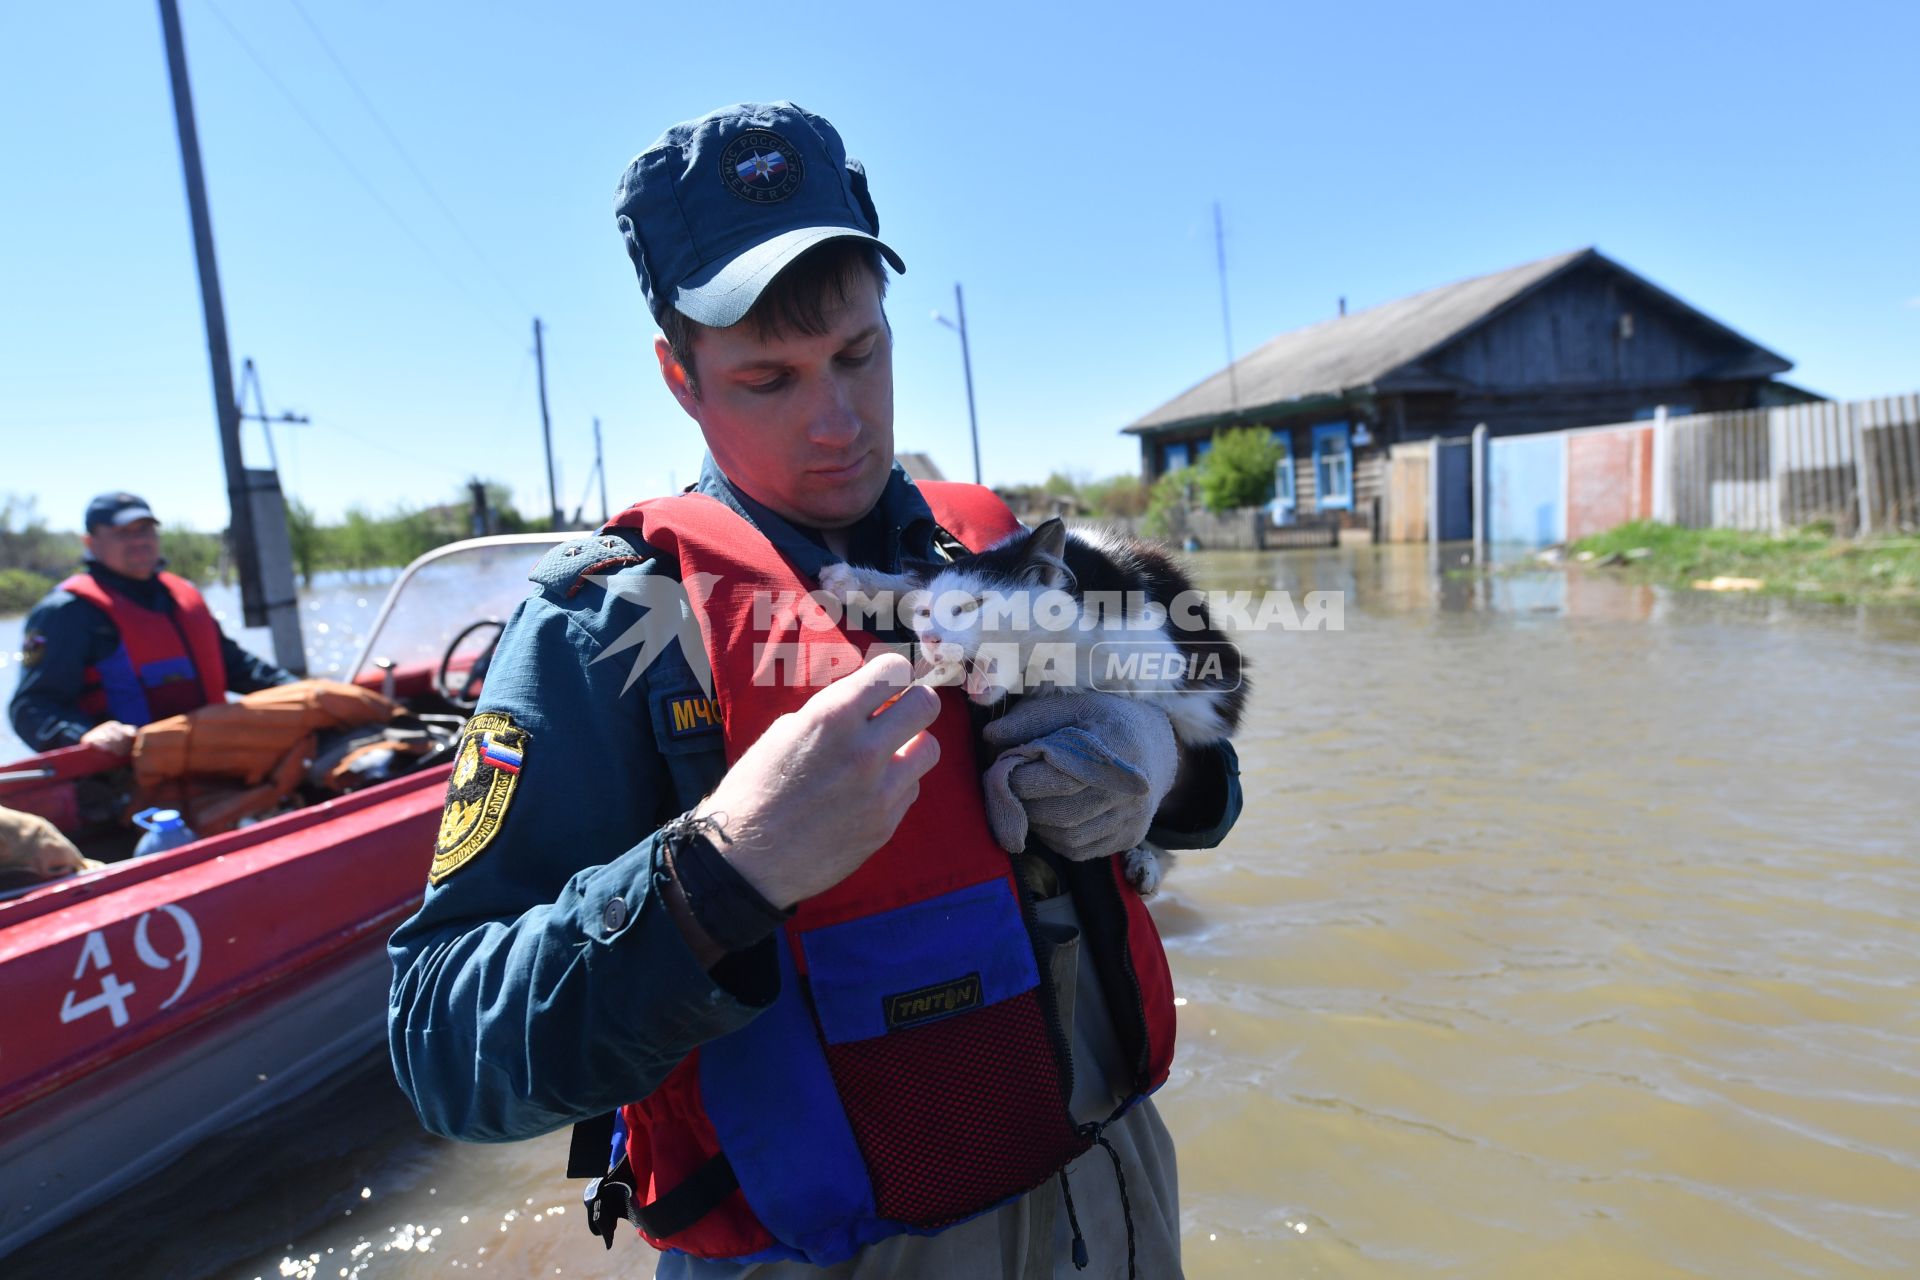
[{"x": 634, "y": 863}]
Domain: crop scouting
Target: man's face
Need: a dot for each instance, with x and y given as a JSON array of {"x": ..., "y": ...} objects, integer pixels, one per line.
[
  {"x": 131, "y": 550},
  {"x": 803, "y": 424}
]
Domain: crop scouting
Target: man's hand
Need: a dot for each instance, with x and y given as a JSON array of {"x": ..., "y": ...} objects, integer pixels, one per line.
[
  {"x": 826, "y": 785},
  {"x": 111, "y": 736},
  {"x": 1084, "y": 772}
]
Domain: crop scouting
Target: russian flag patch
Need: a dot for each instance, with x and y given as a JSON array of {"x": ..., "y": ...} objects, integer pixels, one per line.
[{"x": 500, "y": 756}]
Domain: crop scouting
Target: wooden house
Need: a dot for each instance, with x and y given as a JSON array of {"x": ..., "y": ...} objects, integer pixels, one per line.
[
  {"x": 919, "y": 466},
  {"x": 1568, "y": 341}
]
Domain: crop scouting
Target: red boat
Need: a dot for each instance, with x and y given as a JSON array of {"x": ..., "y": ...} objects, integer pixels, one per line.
[{"x": 163, "y": 999}]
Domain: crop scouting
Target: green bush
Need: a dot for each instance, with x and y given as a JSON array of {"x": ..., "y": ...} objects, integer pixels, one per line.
[
  {"x": 1168, "y": 503},
  {"x": 1122, "y": 496},
  {"x": 1238, "y": 470},
  {"x": 304, "y": 538},
  {"x": 1119, "y": 496},
  {"x": 361, "y": 540},
  {"x": 27, "y": 543},
  {"x": 194, "y": 555},
  {"x": 21, "y": 589}
]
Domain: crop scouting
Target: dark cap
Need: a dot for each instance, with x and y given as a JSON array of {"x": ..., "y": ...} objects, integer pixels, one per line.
[
  {"x": 719, "y": 206},
  {"x": 117, "y": 509}
]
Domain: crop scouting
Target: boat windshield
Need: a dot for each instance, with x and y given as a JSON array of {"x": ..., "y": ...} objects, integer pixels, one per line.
[{"x": 445, "y": 592}]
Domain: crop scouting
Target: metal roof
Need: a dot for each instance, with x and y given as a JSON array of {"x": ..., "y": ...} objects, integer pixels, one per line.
[
  {"x": 1353, "y": 352},
  {"x": 919, "y": 466}
]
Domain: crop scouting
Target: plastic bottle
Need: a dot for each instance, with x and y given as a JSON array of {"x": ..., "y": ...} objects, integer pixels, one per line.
[{"x": 166, "y": 829}]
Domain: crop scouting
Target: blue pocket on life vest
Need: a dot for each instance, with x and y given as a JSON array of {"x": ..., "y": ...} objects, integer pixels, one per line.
[
  {"x": 947, "y": 1066},
  {"x": 890, "y": 972}
]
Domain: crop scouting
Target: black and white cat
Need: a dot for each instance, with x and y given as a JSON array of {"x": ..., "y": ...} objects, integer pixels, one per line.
[{"x": 1049, "y": 610}]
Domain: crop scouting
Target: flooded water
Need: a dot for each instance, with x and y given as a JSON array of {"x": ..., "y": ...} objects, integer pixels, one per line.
[{"x": 1572, "y": 930}]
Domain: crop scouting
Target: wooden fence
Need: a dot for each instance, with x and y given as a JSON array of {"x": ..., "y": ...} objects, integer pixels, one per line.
[
  {"x": 1889, "y": 443},
  {"x": 1855, "y": 466}
]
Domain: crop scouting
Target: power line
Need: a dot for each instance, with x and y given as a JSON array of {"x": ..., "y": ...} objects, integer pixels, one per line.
[
  {"x": 348, "y": 164},
  {"x": 385, "y": 446},
  {"x": 478, "y": 253}
]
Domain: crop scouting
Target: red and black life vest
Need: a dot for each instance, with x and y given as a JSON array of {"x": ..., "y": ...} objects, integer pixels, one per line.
[
  {"x": 166, "y": 663},
  {"x": 912, "y": 1072}
]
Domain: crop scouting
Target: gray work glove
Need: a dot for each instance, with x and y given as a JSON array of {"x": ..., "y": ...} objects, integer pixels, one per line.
[{"x": 1084, "y": 772}]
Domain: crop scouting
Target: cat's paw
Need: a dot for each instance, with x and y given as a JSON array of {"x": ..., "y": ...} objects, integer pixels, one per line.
[
  {"x": 840, "y": 581},
  {"x": 1144, "y": 870}
]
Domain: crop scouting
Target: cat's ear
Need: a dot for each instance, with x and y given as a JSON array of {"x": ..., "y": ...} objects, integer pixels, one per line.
[
  {"x": 1045, "y": 565},
  {"x": 1049, "y": 538}
]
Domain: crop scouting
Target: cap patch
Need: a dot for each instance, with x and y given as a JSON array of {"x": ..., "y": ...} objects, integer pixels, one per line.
[
  {"x": 486, "y": 771},
  {"x": 761, "y": 166}
]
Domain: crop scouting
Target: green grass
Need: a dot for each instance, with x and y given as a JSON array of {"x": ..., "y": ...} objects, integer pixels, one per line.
[{"x": 1809, "y": 563}]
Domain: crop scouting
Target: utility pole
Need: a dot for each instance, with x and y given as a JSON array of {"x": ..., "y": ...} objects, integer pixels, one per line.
[
  {"x": 966, "y": 363},
  {"x": 546, "y": 424},
  {"x": 600, "y": 465},
  {"x": 279, "y": 608},
  {"x": 482, "y": 518},
  {"x": 1226, "y": 317},
  {"x": 228, "y": 413}
]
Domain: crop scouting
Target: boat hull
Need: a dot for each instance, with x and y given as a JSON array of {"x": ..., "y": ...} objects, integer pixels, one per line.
[
  {"x": 161, "y": 1001},
  {"x": 73, "y": 1150}
]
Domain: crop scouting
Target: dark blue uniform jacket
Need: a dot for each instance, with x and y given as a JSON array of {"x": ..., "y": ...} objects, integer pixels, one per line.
[
  {"x": 544, "y": 981},
  {"x": 65, "y": 635}
]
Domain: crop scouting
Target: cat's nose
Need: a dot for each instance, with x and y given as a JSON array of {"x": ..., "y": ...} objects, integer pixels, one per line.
[{"x": 931, "y": 640}]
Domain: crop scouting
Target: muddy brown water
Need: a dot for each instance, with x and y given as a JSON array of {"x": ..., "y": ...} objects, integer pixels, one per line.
[{"x": 1572, "y": 930}]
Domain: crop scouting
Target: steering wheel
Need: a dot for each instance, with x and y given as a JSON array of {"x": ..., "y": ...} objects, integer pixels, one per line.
[{"x": 467, "y": 694}]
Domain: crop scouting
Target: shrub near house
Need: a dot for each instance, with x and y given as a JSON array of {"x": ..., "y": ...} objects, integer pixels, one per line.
[{"x": 1238, "y": 470}]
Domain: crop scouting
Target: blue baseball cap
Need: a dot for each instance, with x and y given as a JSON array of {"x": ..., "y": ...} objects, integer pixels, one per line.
[
  {"x": 719, "y": 206},
  {"x": 117, "y": 509}
]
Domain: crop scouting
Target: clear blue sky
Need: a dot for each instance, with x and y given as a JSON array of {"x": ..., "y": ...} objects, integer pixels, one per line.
[{"x": 1759, "y": 160}]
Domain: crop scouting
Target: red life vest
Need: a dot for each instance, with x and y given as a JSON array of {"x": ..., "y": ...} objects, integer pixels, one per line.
[
  {"x": 912, "y": 1071},
  {"x": 166, "y": 663}
]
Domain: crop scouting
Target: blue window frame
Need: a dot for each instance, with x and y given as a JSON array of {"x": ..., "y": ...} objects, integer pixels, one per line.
[
  {"x": 1283, "y": 493},
  {"x": 1202, "y": 448},
  {"x": 1333, "y": 466},
  {"x": 1173, "y": 457}
]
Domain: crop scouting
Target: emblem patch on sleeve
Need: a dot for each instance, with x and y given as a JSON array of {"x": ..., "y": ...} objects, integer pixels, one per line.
[
  {"x": 692, "y": 716},
  {"x": 486, "y": 770}
]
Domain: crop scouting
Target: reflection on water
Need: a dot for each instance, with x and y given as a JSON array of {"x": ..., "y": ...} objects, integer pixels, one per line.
[{"x": 1573, "y": 930}]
